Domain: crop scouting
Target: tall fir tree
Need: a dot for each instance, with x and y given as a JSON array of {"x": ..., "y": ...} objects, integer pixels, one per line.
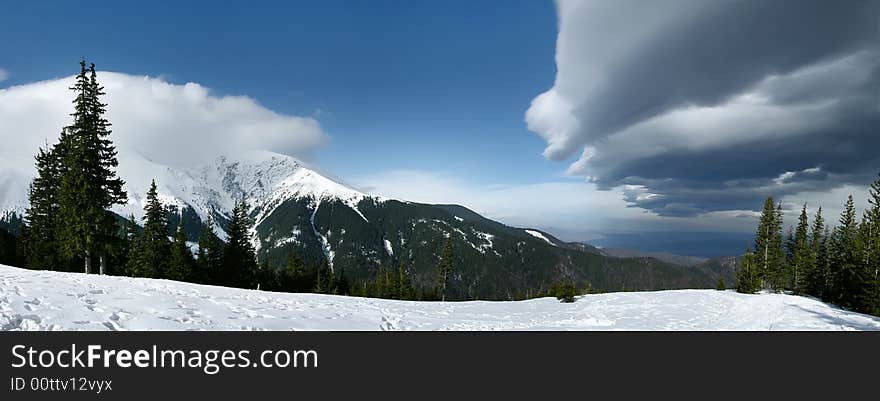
[
  {"x": 210, "y": 256},
  {"x": 323, "y": 278},
  {"x": 818, "y": 262},
  {"x": 88, "y": 182},
  {"x": 871, "y": 248},
  {"x": 801, "y": 253},
  {"x": 768, "y": 246},
  {"x": 239, "y": 267},
  {"x": 294, "y": 277},
  {"x": 846, "y": 288},
  {"x": 445, "y": 268},
  {"x": 748, "y": 279},
  {"x": 180, "y": 265},
  {"x": 151, "y": 255},
  {"x": 404, "y": 283},
  {"x": 41, "y": 216}
]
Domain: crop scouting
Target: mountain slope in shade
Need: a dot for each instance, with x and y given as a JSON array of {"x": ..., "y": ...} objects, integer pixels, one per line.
[
  {"x": 297, "y": 208},
  {"x": 44, "y": 300}
]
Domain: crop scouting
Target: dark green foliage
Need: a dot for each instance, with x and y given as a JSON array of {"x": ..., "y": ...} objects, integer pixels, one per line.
[
  {"x": 210, "y": 257},
  {"x": 404, "y": 286},
  {"x": 846, "y": 280},
  {"x": 770, "y": 259},
  {"x": 720, "y": 286},
  {"x": 564, "y": 291},
  {"x": 150, "y": 252},
  {"x": 181, "y": 262},
  {"x": 445, "y": 268},
  {"x": 748, "y": 277},
  {"x": 8, "y": 243},
  {"x": 870, "y": 244},
  {"x": 392, "y": 283},
  {"x": 324, "y": 278},
  {"x": 801, "y": 254},
  {"x": 88, "y": 182},
  {"x": 239, "y": 268},
  {"x": 817, "y": 273},
  {"x": 42, "y": 215},
  {"x": 294, "y": 276}
]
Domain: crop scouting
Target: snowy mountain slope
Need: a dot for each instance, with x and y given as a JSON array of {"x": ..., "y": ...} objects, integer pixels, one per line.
[{"x": 43, "y": 300}]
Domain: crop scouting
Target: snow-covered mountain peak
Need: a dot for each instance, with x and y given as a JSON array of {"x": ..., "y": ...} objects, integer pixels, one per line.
[{"x": 263, "y": 179}]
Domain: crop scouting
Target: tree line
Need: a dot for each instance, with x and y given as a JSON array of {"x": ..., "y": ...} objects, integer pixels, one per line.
[{"x": 837, "y": 264}]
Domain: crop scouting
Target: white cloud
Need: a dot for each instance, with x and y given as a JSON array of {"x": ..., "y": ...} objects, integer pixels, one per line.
[
  {"x": 4, "y": 75},
  {"x": 178, "y": 125}
]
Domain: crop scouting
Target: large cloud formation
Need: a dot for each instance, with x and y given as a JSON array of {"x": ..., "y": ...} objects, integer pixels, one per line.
[
  {"x": 693, "y": 106},
  {"x": 175, "y": 125}
]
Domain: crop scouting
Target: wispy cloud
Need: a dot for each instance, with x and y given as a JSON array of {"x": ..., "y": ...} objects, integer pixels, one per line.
[{"x": 3, "y": 75}]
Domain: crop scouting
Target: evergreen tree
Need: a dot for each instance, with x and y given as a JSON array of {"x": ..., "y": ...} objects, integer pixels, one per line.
[
  {"x": 150, "y": 256},
  {"x": 720, "y": 286},
  {"x": 445, "y": 268},
  {"x": 88, "y": 182},
  {"x": 181, "y": 262},
  {"x": 323, "y": 278},
  {"x": 871, "y": 247},
  {"x": 846, "y": 288},
  {"x": 41, "y": 217},
  {"x": 748, "y": 279},
  {"x": 818, "y": 262},
  {"x": 341, "y": 285},
  {"x": 404, "y": 283},
  {"x": 210, "y": 256},
  {"x": 788, "y": 260},
  {"x": 768, "y": 246},
  {"x": 294, "y": 277},
  {"x": 239, "y": 267},
  {"x": 801, "y": 253}
]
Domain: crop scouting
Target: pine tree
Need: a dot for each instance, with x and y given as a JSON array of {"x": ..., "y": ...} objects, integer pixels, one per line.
[
  {"x": 445, "y": 268},
  {"x": 818, "y": 261},
  {"x": 210, "y": 256},
  {"x": 181, "y": 262},
  {"x": 239, "y": 267},
  {"x": 845, "y": 278},
  {"x": 801, "y": 253},
  {"x": 323, "y": 278},
  {"x": 871, "y": 246},
  {"x": 768, "y": 246},
  {"x": 748, "y": 279},
  {"x": 720, "y": 286},
  {"x": 788, "y": 258},
  {"x": 88, "y": 182},
  {"x": 404, "y": 283},
  {"x": 151, "y": 256},
  {"x": 41, "y": 217},
  {"x": 294, "y": 277},
  {"x": 341, "y": 285}
]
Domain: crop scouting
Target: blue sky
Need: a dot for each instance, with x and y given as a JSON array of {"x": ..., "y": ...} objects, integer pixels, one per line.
[
  {"x": 396, "y": 84},
  {"x": 615, "y": 122}
]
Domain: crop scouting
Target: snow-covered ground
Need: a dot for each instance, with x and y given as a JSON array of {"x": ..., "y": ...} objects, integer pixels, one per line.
[{"x": 42, "y": 300}]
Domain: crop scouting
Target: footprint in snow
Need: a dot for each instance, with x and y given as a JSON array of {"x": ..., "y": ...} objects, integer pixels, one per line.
[{"x": 113, "y": 326}]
